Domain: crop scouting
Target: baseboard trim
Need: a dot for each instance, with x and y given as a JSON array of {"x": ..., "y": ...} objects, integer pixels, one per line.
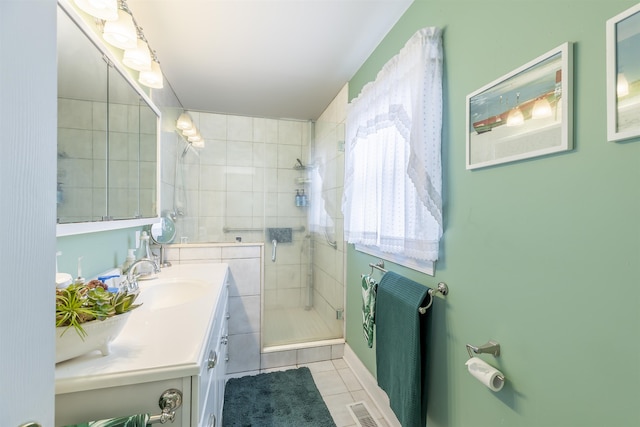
[{"x": 370, "y": 384}]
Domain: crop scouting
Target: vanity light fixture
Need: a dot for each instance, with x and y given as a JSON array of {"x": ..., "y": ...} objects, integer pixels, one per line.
[
  {"x": 189, "y": 131},
  {"x": 541, "y": 109},
  {"x": 153, "y": 77},
  {"x": 120, "y": 29},
  {"x": 121, "y": 33},
  {"x": 198, "y": 144},
  {"x": 195, "y": 138},
  {"x": 101, "y": 9},
  {"x": 139, "y": 57},
  {"x": 184, "y": 122}
]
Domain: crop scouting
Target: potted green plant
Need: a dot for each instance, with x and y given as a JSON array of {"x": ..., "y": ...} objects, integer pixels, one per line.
[{"x": 89, "y": 306}]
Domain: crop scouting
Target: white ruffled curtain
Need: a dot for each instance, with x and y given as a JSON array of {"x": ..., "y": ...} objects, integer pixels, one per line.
[{"x": 393, "y": 174}]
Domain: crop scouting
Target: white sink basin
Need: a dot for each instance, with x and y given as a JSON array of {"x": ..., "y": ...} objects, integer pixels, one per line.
[{"x": 164, "y": 293}]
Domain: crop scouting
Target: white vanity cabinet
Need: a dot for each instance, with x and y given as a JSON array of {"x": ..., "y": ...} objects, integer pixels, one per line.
[
  {"x": 208, "y": 386},
  {"x": 175, "y": 340}
]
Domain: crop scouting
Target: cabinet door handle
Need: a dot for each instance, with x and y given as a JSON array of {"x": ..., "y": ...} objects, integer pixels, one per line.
[
  {"x": 213, "y": 360},
  {"x": 212, "y": 420}
]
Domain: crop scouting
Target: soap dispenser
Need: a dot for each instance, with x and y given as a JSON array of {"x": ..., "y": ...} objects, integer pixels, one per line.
[
  {"x": 145, "y": 270},
  {"x": 79, "y": 280},
  {"x": 131, "y": 258}
]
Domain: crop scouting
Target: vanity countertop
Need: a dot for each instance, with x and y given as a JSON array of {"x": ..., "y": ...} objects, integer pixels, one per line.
[{"x": 157, "y": 343}]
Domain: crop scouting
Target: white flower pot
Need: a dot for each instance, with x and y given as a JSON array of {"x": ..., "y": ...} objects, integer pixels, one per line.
[{"x": 100, "y": 333}]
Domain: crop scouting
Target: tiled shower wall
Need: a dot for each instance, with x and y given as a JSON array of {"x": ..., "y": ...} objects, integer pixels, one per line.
[
  {"x": 243, "y": 181},
  {"x": 326, "y": 216}
]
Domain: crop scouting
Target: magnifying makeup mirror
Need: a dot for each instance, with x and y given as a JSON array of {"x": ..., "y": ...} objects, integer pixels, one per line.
[{"x": 162, "y": 233}]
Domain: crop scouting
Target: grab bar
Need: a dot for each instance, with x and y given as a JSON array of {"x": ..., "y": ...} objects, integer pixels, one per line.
[
  {"x": 441, "y": 289},
  {"x": 231, "y": 229}
]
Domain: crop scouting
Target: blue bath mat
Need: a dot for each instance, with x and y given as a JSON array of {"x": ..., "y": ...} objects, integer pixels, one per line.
[{"x": 287, "y": 398}]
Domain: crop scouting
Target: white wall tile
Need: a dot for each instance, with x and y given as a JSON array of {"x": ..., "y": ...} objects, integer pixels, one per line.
[
  {"x": 288, "y": 155},
  {"x": 245, "y": 276},
  {"x": 244, "y": 353},
  {"x": 278, "y": 359},
  {"x": 265, "y": 130},
  {"x": 239, "y": 128},
  {"x": 316, "y": 354},
  {"x": 234, "y": 252},
  {"x": 196, "y": 253},
  {"x": 213, "y": 126},
  {"x": 244, "y": 315},
  {"x": 290, "y": 132},
  {"x": 239, "y": 153}
]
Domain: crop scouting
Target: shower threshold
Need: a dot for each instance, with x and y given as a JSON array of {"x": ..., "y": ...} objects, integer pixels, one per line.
[{"x": 301, "y": 345}]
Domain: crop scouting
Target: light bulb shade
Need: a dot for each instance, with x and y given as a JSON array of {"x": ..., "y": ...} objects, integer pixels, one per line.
[
  {"x": 198, "y": 144},
  {"x": 622, "y": 88},
  {"x": 138, "y": 58},
  {"x": 541, "y": 109},
  {"x": 153, "y": 77},
  {"x": 184, "y": 122},
  {"x": 121, "y": 33},
  {"x": 190, "y": 132},
  {"x": 515, "y": 117},
  {"x": 101, "y": 9},
  {"x": 195, "y": 138}
]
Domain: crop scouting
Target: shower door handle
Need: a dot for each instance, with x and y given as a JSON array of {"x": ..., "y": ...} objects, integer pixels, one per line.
[{"x": 274, "y": 242}]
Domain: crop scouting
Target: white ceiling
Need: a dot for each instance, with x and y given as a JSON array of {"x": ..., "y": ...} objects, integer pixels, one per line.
[{"x": 263, "y": 58}]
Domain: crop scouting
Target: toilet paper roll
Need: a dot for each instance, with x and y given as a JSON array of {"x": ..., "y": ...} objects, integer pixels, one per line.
[{"x": 485, "y": 373}]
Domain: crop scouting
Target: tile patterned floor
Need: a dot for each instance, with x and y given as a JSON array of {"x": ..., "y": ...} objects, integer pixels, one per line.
[{"x": 339, "y": 387}]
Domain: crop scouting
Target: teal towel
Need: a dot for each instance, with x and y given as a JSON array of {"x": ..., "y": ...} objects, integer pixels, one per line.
[
  {"x": 139, "y": 420},
  {"x": 368, "y": 307},
  {"x": 401, "y": 339}
]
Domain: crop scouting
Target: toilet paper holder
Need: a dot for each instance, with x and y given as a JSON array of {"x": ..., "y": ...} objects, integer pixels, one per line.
[{"x": 491, "y": 347}]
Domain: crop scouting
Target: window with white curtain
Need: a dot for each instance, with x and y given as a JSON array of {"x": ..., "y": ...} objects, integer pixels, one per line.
[{"x": 392, "y": 201}]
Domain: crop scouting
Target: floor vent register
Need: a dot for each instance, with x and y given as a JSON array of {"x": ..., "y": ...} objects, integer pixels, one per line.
[{"x": 361, "y": 414}]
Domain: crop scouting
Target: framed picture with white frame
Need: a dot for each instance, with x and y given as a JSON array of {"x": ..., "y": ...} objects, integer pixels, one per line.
[
  {"x": 525, "y": 113},
  {"x": 623, "y": 75}
]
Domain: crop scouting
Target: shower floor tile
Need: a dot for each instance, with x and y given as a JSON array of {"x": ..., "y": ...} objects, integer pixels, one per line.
[{"x": 294, "y": 325}]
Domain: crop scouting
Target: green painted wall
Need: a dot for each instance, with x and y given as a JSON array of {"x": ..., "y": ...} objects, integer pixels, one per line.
[
  {"x": 540, "y": 255},
  {"x": 100, "y": 251}
]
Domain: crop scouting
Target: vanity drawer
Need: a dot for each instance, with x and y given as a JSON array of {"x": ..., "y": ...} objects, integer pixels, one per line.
[
  {"x": 121, "y": 401},
  {"x": 212, "y": 368}
]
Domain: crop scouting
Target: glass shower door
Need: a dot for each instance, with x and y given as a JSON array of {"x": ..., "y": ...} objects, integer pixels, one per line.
[{"x": 302, "y": 301}]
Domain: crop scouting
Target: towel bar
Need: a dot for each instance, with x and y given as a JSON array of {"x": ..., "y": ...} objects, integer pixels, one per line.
[
  {"x": 441, "y": 289},
  {"x": 169, "y": 401}
]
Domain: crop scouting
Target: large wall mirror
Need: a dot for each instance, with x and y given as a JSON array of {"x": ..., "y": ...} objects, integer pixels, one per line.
[{"x": 107, "y": 139}]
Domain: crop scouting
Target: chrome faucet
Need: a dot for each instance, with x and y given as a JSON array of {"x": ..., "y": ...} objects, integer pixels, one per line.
[{"x": 132, "y": 278}]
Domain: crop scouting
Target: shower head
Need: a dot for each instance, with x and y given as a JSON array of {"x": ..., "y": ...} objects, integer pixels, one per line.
[{"x": 186, "y": 149}]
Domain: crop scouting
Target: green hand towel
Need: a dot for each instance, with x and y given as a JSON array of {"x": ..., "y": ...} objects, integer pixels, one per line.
[
  {"x": 139, "y": 420},
  {"x": 369, "y": 288},
  {"x": 401, "y": 339}
]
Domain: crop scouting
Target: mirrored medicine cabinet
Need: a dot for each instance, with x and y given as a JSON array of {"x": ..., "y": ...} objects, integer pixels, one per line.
[{"x": 107, "y": 138}]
